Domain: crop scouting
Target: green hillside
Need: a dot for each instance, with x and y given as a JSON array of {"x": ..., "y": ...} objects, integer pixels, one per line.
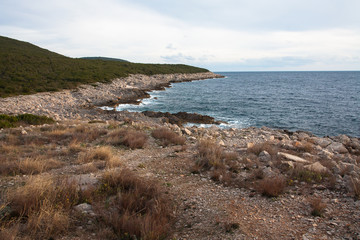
[
  {"x": 26, "y": 69},
  {"x": 105, "y": 59}
]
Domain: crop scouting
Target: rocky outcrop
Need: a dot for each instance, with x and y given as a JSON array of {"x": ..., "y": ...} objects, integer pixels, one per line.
[{"x": 181, "y": 118}]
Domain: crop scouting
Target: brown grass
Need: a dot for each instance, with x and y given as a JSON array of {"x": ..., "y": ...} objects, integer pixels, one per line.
[
  {"x": 265, "y": 146},
  {"x": 37, "y": 165},
  {"x": 317, "y": 206},
  {"x": 356, "y": 187},
  {"x": 28, "y": 166},
  {"x": 139, "y": 208},
  {"x": 96, "y": 154},
  {"x": 130, "y": 138},
  {"x": 305, "y": 147},
  {"x": 272, "y": 186},
  {"x": 42, "y": 206},
  {"x": 168, "y": 137}
]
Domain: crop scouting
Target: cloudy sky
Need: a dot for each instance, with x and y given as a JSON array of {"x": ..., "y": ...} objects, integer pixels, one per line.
[{"x": 226, "y": 35}]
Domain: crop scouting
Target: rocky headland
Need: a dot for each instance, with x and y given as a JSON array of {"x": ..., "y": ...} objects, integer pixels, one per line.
[{"x": 251, "y": 183}]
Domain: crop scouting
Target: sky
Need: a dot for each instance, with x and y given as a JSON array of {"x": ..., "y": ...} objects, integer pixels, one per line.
[{"x": 226, "y": 35}]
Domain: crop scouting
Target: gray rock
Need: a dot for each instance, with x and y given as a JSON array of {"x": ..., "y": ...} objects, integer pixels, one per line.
[
  {"x": 265, "y": 157},
  {"x": 322, "y": 142},
  {"x": 84, "y": 208},
  {"x": 337, "y": 147}
]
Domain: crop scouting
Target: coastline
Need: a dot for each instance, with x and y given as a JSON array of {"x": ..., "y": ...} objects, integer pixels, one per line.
[
  {"x": 82, "y": 103},
  {"x": 212, "y": 199}
]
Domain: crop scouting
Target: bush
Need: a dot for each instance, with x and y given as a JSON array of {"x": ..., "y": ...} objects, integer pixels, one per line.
[
  {"x": 7, "y": 121},
  {"x": 168, "y": 137}
]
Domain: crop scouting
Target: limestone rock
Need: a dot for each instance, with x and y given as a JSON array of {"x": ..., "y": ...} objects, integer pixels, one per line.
[
  {"x": 337, "y": 147},
  {"x": 292, "y": 157},
  {"x": 221, "y": 143},
  {"x": 322, "y": 142},
  {"x": 264, "y": 156},
  {"x": 84, "y": 208},
  {"x": 316, "y": 167},
  {"x": 187, "y": 131}
]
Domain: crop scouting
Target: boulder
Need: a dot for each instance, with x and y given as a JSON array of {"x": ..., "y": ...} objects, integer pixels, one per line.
[
  {"x": 292, "y": 157},
  {"x": 187, "y": 131},
  {"x": 221, "y": 143},
  {"x": 322, "y": 142},
  {"x": 265, "y": 157},
  {"x": 337, "y": 147}
]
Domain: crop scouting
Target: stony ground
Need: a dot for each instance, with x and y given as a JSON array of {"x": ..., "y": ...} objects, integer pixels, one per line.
[{"x": 209, "y": 207}]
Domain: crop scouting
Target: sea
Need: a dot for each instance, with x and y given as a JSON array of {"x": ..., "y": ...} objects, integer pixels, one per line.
[{"x": 324, "y": 103}]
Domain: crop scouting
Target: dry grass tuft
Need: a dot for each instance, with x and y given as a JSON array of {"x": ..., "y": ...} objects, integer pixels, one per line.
[
  {"x": 48, "y": 222},
  {"x": 37, "y": 165},
  {"x": 168, "y": 137},
  {"x": 317, "y": 206},
  {"x": 265, "y": 146},
  {"x": 304, "y": 175},
  {"x": 210, "y": 155},
  {"x": 305, "y": 147},
  {"x": 96, "y": 154},
  {"x": 139, "y": 207},
  {"x": 356, "y": 187},
  {"x": 28, "y": 166},
  {"x": 42, "y": 206},
  {"x": 272, "y": 186},
  {"x": 130, "y": 138},
  {"x": 75, "y": 147}
]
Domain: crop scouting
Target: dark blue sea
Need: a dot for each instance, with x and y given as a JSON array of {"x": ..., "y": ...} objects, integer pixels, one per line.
[{"x": 324, "y": 103}]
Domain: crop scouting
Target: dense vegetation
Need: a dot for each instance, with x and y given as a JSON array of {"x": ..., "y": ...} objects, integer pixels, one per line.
[
  {"x": 7, "y": 121},
  {"x": 105, "y": 59},
  {"x": 27, "y": 69}
]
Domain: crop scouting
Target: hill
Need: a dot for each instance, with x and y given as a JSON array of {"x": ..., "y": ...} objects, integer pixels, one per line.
[
  {"x": 105, "y": 59},
  {"x": 27, "y": 69}
]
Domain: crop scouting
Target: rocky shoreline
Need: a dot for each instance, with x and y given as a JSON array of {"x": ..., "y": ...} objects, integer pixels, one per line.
[{"x": 82, "y": 102}]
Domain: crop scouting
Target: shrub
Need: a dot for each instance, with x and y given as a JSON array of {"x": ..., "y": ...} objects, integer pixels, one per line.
[
  {"x": 272, "y": 186},
  {"x": 168, "y": 137},
  {"x": 7, "y": 121},
  {"x": 304, "y": 175}
]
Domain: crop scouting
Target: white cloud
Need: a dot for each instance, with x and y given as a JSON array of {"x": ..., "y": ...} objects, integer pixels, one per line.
[{"x": 250, "y": 35}]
